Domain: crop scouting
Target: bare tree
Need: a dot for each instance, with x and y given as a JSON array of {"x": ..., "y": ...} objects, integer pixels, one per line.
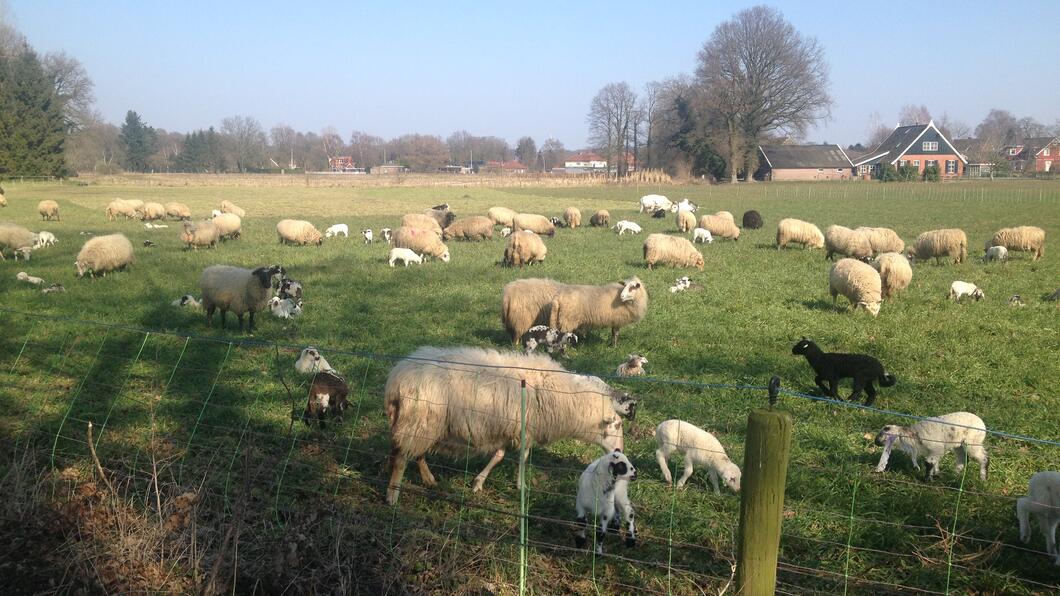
[
  {"x": 998, "y": 128},
  {"x": 331, "y": 141},
  {"x": 649, "y": 111},
  {"x": 876, "y": 130},
  {"x": 245, "y": 140},
  {"x": 953, "y": 128},
  {"x": 11, "y": 39},
  {"x": 912, "y": 114},
  {"x": 526, "y": 152},
  {"x": 283, "y": 138},
  {"x": 611, "y": 121},
  {"x": 760, "y": 76},
  {"x": 95, "y": 147},
  {"x": 367, "y": 150},
  {"x": 553, "y": 154},
  {"x": 1029, "y": 127},
  {"x": 73, "y": 87}
]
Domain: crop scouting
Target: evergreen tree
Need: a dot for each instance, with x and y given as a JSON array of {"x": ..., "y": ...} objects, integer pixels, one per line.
[
  {"x": 32, "y": 128},
  {"x": 139, "y": 141}
]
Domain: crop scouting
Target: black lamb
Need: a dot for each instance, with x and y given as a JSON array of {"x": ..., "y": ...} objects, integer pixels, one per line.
[
  {"x": 832, "y": 366},
  {"x": 752, "y": 220}
]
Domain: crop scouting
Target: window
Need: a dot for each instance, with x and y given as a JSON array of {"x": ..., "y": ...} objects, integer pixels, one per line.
[
  {"x": 1048, "y": 166},
  {"x": 1013, "y": 151},
  {"x": 916, "y": 162},
  {"x": 901, "y": 163},
  {"x": 931, "y": 163},
  {"x": 820, "y": 169},
  {"x": 931, "y": 145},
  {"x": 951, "y": 166},
  {"x": 839, "y": 170},
  {"x": 1045, "y": 152}
]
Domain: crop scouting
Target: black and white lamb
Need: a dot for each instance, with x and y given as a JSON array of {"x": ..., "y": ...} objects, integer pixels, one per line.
[
  {"x": 552, "y": 339},
  {"x": 289, "y": 288},
  {"x": 603, "y": 493},
  {"x": 327, "y": 391},
  {"x": 832, "y": 366}
]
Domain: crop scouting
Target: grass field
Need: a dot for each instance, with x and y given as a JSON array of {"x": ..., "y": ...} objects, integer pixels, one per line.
[{"x": 212, "y": 416}]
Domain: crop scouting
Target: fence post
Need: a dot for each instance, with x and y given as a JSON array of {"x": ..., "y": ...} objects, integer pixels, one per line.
[{"x": 766, "y": 455}]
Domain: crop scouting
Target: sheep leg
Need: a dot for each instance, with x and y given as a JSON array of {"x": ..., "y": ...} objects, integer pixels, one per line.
[
  {"x": 1050, "y": 536},
  {"x": 962, "y": 457},
  {"x": 614, "y": 337},
  {"x": 872, "y": 394},
  {"x": 626, "y": 509},
  {"x": 224, "y": 313},
  {"x": 819, "y": 380},
  {"x": 601, "y": 532},
  {"x": 978, "y": 453},
  {"x": 239, "y": 317},
  {"x": 425, "y": 472},
  {"x": 481, "y": 478},
  {"x": 250, "y": 326},
  {"x": 660, "y": 457},
  {"x": 583, "y": 524},
  {"x": 859, "y": 383},
  {"x": 397, "y": 472},
  {"x": 1024, "y": 515},
  {"x": 714, "y": 481},
  {"x": 687, "y": 472}
]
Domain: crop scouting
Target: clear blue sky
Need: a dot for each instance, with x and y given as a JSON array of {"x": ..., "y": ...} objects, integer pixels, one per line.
[{"x": 516, "y": 68}]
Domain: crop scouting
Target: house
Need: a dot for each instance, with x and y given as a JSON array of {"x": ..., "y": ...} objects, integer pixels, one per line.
[
  {"x": 585, "y": 162},
  {"x": 452, "y": 169},
  {"x": 389, "y": 169},
  {"x": 1036, "y": 154},
  {"x": 917, "y": 145},
  {"x": 980, "y": 156},
  {"x": 804, "y": 162},
  {"x": 503, "y": 167},
  {"x": 341, "y": 163}
]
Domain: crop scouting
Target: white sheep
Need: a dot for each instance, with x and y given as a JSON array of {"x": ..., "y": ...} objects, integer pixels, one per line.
[
  {"x": 501, "y": 215},
  {"x": 858, "y": 282},
  {"x": 104, "y": 253},
  {"x": 626, "y": 226},
  {"x": 650, "y": 203},
  {"x": 151, "y": 226},
  {"x": 1043, "y": 500},
  {"x": 215, "y": 213},
  {"x": 1021, "y": 238},
  {"x": 685, "y": 220},
  {"x": 720, "y": 224},
  {"x": 18, "y": 239},
  {"x": 404, "y": 255},
  {"x": 603, "y": 491},
  {"x": 846, "y": 242},
  {"x": 699, "y": 448},
  {"x": 614, "y": 305},
  {"x": 423, "y": 242},
  {"x": 682, "y": 284},
  {"x": 796, "y": 231},
  {"x": 336, "y": 230},
  {"x": 895, "y": 273},
  {"x": 297, "y": 231},
  {"x": 285, "y": 308},
  {"x": 539, "y": 224},
  {"x": 702, "y": 235},
  {"x": 421, "y": 221},
  {"x": 672, "y": 250},
  {"x": 45, "y": 238},
  {"x": 178, "y": 211},
  {"x": 229, "y": 226},
  {"x": 524, "y": 248},
  {"x": 632, "y": 367},
  {"x": 23, "y": 276},
  {"x": 238, "y": 290},
  {"x": 200, "y": 234},
  {"x": 369, "y": 237},
  {"x": 960, "y": 289},
  {"x": 995, "y": 253},
  {"x": 48, "y": 209},
  {"x": 526, "y": 303},
  {"x": 386, "y": 234},
  {"x": 230, "y": 207},
  {"x": 121, "y": 207},
  {"x": 960, "y": 432},
  {"x": 950, "y": 242}
]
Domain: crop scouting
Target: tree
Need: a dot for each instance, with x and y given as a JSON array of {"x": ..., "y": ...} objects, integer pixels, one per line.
[
  {"x": 1029, "y": 127},
  {"x": 32, "y": 131},
  {"x": 367, "y": 150},
  {"x": 931, "y": 174},
  {"x": 649, "y": 110},
  {"x": 245, "y": 140},
  {"x": 912, "y": 114},
  {"x": 760, "y": 76},
  {"x": 553, "y": 154},
  {"x": 73, "y": 88},
  {"x": 201, "y": 152},
  {"x": 526, "y": 152},
  {"x": 953, "y": 128},
  {"x": 611, "y": 121},
  {"x": 95, "y": 147},
  {"x": 877, "y": 132},
  {"x": 138, "y": 141},
  {"x": 420, "y": 153},
  {"x": 283, "y": 137},
  {"x": 999, "y": 128}
]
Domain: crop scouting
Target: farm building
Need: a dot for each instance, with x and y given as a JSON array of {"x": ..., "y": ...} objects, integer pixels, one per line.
[
  {"x": 917, "y": 145},
  {"x": 503, "y": 167},
  {"x": 804, "y": 162},
  {"x": 980, "y": 156},
  {"x": 1033, "y": 154},
  {"x": 389, "y": 169},
  {"x": 585, "y": 162}
]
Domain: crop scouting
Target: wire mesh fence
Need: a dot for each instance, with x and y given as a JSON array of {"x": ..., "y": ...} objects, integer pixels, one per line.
[{"x": 177, "y": 414}]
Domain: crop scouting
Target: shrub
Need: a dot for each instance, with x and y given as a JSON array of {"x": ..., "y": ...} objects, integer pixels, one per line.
[
  {"x": 908, "y": 173},
  {"x": 887, "y": 173},
  {"x": 931, "y": 174}
]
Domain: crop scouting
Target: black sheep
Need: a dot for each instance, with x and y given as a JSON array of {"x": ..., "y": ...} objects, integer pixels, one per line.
[
  {"x": 832, "y": 366},
  {"x": 752, "y": 220},
  {"x": 660, "y": 213}
]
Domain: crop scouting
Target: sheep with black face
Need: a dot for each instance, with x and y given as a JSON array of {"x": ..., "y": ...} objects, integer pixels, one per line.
[{"x": 238, "y": 290}]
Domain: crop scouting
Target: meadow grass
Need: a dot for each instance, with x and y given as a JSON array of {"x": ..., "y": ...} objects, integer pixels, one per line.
[{"x": 218, "y": 405}]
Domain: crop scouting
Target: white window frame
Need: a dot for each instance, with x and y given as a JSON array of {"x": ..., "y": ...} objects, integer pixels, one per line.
[
  {"x": 1045, "y": 152},
  {"x": 916, "y": 163},
  {"x": 930, "y": 146},
  {"x": 839, "y": 170},
  {"x": 951, "y": 166},
  {"x": 901, "y": 163},
  {"x": 1013, "y": 151},
  {"x": 931, "y": 162}
]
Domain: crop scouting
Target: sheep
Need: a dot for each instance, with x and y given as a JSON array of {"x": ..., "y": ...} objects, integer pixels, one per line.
[
  {"x": 200, "y": 234},
  {"x": 1016, "y": 300},
  {"x": 526, "y": 303},
  {"x": 458, "y": 399},
  {"x": 752, "y": 220},
  {"x": 684, "y": 205},
  {"x": 632, "y": 367},
  {"x": 53, "y": 288},
  {"x": 672, "y": 250},
  {"x": 613, "y": 305},
  {"x": 538, "y": 224},
  {"x": 626, "y": 226},
  {"x": 720, "y": 225},
  {"x": 475, "y": 227},
  {"x": 603, "y": 493},
  {"x": 726, "y": 215},
  {"x": 553, "y": 340},
  {"x": 137, "y": 204},
  {"x": 48, "y": 210},
  {"x": 952, "y": 243},
  {"x": 895, "y": 273},
  {"x": 387, "y": 235},
  {"x": 995, "y": 253},
  {"x": 444, "y": 206},
  {"x": 796, "y": 231},
  {"x": 420, "y": 221},
  {"x": 702, "y": 235},
  {"x": 214, "y": 213},
  {"x": 846, "y": 242},
  {"x": 858, "y": 282},
  {"x": 699, "y": 448},
  {"x": 882, "y": 239},
  {"x": 178, "y": 211},
  {"x": 682, "y": 284},
  {"x": 151, "y": 226},
  {"x": 120, "y": 207},
  {"x": 23, "y": 276},
  {"x": 444, "y": 216},
  {"x": 559, "y": 223},
  {"x": 524, "y": 248},
  {"x": 506, "y": 231},
  {"x": 284, "y": 308},
  {"x": 653, "y": 202},
  {"x": 299, "y": 232},
  {"x": 1043, "y": 500},
  {"x": 1022, "y": 238},
  {"x": 238, "y": 290},
  {"x": 830, "y": 367},
  {"x": 600, "y": 219},
  {"x": 960, "y": 289},
  {"x": 367, "y": 235},
  {"x": 187, "y": 301},
  {"x": 404, "y": 255},
  {"x": 152, "y": 212},
  {"x": 228, "y": 226},
  {"x": 422, "y": 242},
  {"x": 327, "y": 391},
  {"x": 18, "y": 239},
  {"x": 659, "y": 214},
  {"x": 149, "y": 244},
  {"x": 501, "y": 215},
  {"x": 45, "y": 238},
  {"x": 686, "y": 221},
  {"x": 289, "y": 288},
  {"x": 336, "y": 230},
  {"x": 960, "y": 432},
  {"x": 104, "y": 253},
  {"x": 573, "y": 217},
  {"x": 230, "y": 207}
]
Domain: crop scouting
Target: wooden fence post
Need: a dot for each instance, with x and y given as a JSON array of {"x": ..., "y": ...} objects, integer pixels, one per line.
[{"x": 765, "y": 470}]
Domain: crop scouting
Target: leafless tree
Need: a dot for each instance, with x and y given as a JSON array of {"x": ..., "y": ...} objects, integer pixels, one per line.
[
  {"x": 611, "y": 121},
  {"x": 649, "y": 110},
  {"x": 998, "y": 128},
  {"x": 11, "y": 39},
  {"x": 912, "y": 114},
  {"x": 332, "y": 141},
  {"x": 760, "y": 76},
  {"x": 876, "y": 130},
  {"x": 465, "y": 147},
  {"x": 553, "y": 154},
  {"x": 1029, "y": 127},
  {"x": 95, "y": 147},
  {"x": 420, "y": 153},
  {"x": 73, "y": 87},
  {"x": 245, "y": 140},
  {"x": 283, "y": 138},
  {"x": 953, "y": 128},
  {"x": 526, "y": 152},
  {"x": 367, "y": 150}
]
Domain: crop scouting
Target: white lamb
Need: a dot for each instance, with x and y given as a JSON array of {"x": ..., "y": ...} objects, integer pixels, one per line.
[
  {"x": 603, "y": 491},
  {"x": 285, "y": 308},
  {"x": 632, "y": 367},
  {"x": 506, "y": 231},
  {"x": 1043, "y": 500},
  {"x": 45, "y": 238},
  {"x": 367, "y": 233},
  {"x": 23, "y": 276},
  {"x": 960, "y": 289},
  {"x": 337, "y": 229},
  {"x": 702, "y": 235},
  {"x": 405, "y": 255},
  {"x": 187, "y": 301},
  {"x": 682, "y": 284},
  {"x": 994, "y": 253},
  {"x": 960, "y": 432},
  {"x": 699, "y": 448},
  {"x": 626, "y": 226},
  {"x": 650, "y": 203}
]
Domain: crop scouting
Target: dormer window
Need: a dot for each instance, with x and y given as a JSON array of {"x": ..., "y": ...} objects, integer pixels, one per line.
[{"x": 931, "y": 145}]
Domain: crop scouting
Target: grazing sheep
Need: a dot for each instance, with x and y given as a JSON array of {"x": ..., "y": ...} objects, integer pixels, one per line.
[
  {"x": 137, "y": 204},
  {"x": 559, "y": 223},
  {"x": 857, "y": 282},
  {"x": 230, "y": 207},
  {"x": 846, "y": 242},
  {"x": 960, "y": 289},
  {"x": 284, "y": 308},
  {"x": 1016, "y": 300},
  {"x": 720, "y": 225},
  {"x": 404, "y": 255},
  {"x": 626, "y": 226},
  {"x": 18, "y": 239},
  {"x": 367, "y": 235},
  {"x": 895, "y": 273},
  {"x": 48, "y": 210},
  {"x": 553, "y": 340},
  {"x": 538, "y": 224},
  {"x": 178, "y": 211},
  {"x": 727, "y": 215},
  {"x": 524, "y": 248},
  {"x": 653, "y": 202},
  {"x": 45, "y": 238},
  {"x": 299, "y": 232},
  {"x": 882, "y": 239},
  {"x": 702, "y": 235},
  {"x": 444, "y": 206},
  {"x": 462, "y": 398},
  {"x": 421, "y": 241},
  {"x": 228, "y": 226},
  {"x": 200, "y": 234},
  {"x": 1022, "y": 238},
  {"x": 502, "y": 216},
  {"x": 632, "y": 367},
  {"x": 120, "y": 207},
  {"x": 23, "y": 276},
  {"x": 336, "y": 230},
  {"x": 238, "y": 290},
  {"x": 475, "y": 227},
  {"x": 573, "y": 217},
  {"x": 686, "y": 221},
  {"x": 506, "y": 231},
  {"x": 830, "y": 367},
  {"x": 1043, "y": 500},
  {"x": 152, "y": 212},
  {"x": 442, "y": 215},
  {"x": 386, "y": 234},
  {"x": 327, "y": 391},
  {"x": 186, "y": 301},
  {"x": 603, "y": 493},
  {"x": 613, "y": 305},
  {"x": 952, "y": 243},
  {"x": 796, "y": 231},
  {"x": 699, "y": 448},
  {"x": 104, "y": 253},
  {"x": 995, "y": 253},
  {"x": 600, "y": 219},
  {"x": 752, "y": 220},
  {"x": 672, "y": 250},
  {"x": 960, "y": 432},
  {"x": 420, "y": 221},
  {"x": 526, "y": 303}
]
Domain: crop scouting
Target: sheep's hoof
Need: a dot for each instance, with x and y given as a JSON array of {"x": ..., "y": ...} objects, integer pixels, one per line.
[{"x": 477, "y": 486}]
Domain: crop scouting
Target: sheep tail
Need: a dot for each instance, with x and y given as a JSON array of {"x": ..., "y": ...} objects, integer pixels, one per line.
[{"x": 887, "y": 380}]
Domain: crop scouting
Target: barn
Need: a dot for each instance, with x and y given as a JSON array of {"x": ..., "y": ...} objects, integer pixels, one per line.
[{"x": 803, "y": 162}]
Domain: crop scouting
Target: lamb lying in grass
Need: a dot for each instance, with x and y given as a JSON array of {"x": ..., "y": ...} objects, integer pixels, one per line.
[
  {"x": 552, "y": 339},
  {"x": 186, "y": 301}
]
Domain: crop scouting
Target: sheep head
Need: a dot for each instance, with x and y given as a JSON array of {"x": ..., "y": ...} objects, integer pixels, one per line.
[
  {"x": 630, "y": 288},
  {"x": 978, "y": 294},
  {"x": 620, "y": 467},
  {"x": 445, "y": 257},
  {"x": 888, "y": 434},
  {"x": 625, "y": 404},
  {"x": 265, "y": 274},
  {"x": 802, "y": 346},
  {"x": 311, "y": 362},
  {"x": 872, "y": 307},
  {"x": 731, "y": 475}
]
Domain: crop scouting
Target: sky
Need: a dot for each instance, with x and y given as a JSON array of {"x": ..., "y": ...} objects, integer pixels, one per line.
[{"x": 515, "y": 69}]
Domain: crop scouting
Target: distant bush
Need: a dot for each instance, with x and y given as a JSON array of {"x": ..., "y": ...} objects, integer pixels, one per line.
[
  {"x": 931, "y": 174},
  {"x": 887, "y": 173},
  {"x": 908, "y": 173}
]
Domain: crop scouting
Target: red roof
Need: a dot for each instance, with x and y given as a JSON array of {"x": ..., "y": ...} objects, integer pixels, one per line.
[{"x": 586, "y": 156}]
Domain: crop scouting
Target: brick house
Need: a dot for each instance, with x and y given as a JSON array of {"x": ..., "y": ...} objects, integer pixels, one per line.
[
  {"x": 1040, "y": 154},
  {"x": 804, "y": 162},
  {"x": 918, "y": 145}
]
